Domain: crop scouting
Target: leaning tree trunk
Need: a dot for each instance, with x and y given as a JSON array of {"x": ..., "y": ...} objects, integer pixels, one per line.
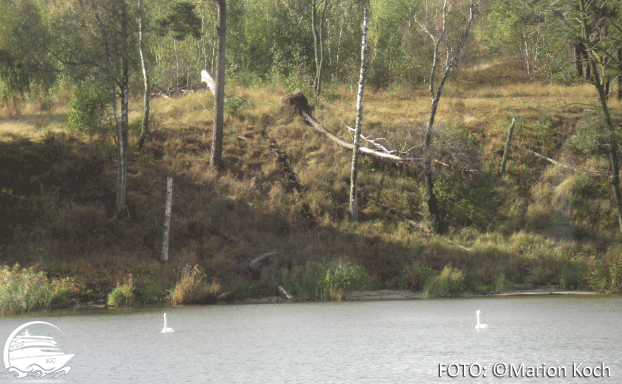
[
  {"x": 145, "y": 125},
  {"x": 359, "y": 122},
  {"x": 219, "y": 100}
]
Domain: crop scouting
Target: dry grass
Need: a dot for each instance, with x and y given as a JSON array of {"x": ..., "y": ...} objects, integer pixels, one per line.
[{"x": 285, "y": 188}]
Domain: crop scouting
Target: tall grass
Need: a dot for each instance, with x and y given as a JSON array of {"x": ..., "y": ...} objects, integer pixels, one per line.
[
  {"x": 326, "y": 280},
  {"x": 450, "y": 282},
  {"x": 25, "y": 289},
  {"x": 192, "y": 288}
]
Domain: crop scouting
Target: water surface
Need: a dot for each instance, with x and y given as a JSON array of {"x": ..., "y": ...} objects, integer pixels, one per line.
[{"x": 419, "y": 341}]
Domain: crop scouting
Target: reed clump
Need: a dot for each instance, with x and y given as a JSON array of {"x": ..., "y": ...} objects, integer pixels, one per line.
[
  {"x": 325, "y": 280},
  {"x": 191, "y": 287},
  {"x": 25, "y": 289}
]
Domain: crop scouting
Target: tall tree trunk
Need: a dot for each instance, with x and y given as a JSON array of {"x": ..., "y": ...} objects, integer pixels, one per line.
[
  {"x": 144, "y": 131},
  {"x": 122, "y": 147},
  {"x": 120, "y": 119},
  {"x": 578, "y": 60},
  {"x": 219, "y": 100},
  {"x": 318, "y": 43},
  {"x": 359, "y": 122}
]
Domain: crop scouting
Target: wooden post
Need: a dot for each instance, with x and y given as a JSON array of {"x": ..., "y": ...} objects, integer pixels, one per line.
[
  {"x": 167, "y": 217},
  {"x": 359, "y": 121},
  {"x": 508, "y": 143}
]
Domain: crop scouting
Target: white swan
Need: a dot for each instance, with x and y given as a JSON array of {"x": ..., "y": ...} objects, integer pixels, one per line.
[
  {"x": 479, "y": 326},
  {"x": 166, "y": 329}
]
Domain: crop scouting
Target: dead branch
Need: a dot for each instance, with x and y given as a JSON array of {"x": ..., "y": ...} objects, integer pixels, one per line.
[
  {"x": 550, "y": 160},
  {"x": 347, "y": 145},
  {"x": 373, "y": 141},
  {"x": 384, "y": 154}
]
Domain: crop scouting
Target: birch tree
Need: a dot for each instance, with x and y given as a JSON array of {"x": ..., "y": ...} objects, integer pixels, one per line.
[
  {"x": 141, "y": 49},
  {"x": 112, "y": 22},
  {"x": 359, "y": 121}
]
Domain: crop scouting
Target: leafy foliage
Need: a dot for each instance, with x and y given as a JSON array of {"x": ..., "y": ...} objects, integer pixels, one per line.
[
  {"x": 181, "y": 20},
  {"x": 90, "y": 110}
]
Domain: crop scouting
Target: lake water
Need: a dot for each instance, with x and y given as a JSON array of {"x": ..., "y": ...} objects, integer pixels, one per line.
[{"x": 529, "y": 340}]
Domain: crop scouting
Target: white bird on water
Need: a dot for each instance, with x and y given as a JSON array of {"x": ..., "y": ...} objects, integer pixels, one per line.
[
  {"x": 479, "y": 326},
  {"x": 166, "y": 329},
  {"x": 206, "y": 78}
]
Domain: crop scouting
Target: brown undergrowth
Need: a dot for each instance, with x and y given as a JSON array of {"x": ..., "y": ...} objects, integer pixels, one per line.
[{"x": 285, "y": 189}]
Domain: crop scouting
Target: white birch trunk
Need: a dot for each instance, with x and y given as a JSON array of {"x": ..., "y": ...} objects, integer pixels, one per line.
[
  {"x": 167, "y": 217},
  {"x": 359, "y": 122},
  {"x": 145, "y": 125}
]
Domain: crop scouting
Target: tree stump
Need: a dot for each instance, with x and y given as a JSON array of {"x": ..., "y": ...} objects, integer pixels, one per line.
[{"x": 299, "y": 101}]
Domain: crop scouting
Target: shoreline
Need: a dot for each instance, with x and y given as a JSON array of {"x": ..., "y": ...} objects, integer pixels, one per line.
[
  {"x": 390, "y": 294},
  {"x": 366, "y": 295}
]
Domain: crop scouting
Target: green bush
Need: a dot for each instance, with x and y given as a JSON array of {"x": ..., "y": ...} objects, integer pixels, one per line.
[
  {"x": 232, "y": 105},
  {"x": 89, "y": 110},
  {"x": 123, "y": 294},
  {"x": 585, "y": 185},
  {"x": 341, "y": 277}
]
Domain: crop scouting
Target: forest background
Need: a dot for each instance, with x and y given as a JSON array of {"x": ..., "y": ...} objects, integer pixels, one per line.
[{"x": 73, "y": 80}]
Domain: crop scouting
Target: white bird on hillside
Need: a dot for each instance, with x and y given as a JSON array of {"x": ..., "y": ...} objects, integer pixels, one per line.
[
  {"x": 166, "y": 329},
  {"x": 206, "y": 78},
  {"x": 479, "y": 326}
]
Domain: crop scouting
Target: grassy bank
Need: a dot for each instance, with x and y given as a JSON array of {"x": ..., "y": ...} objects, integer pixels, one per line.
[{"x": 285, "y": 189}]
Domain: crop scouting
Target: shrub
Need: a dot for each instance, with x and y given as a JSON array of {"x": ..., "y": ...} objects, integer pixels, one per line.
[
  {"x": 585, "y": 185},
  {"x": 89, "y": 110},
  {"x": 417, "y": 275},
  {"x": 123, "y": 294},
  {"x": 341, "y": 277}
]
